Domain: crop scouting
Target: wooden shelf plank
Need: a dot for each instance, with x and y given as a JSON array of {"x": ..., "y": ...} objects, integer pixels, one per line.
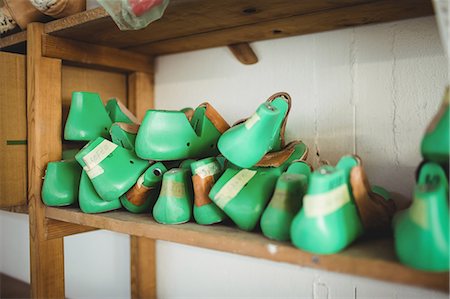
[
  {"x": 186, "y": 17},
  {"x": 325, "y": 20},
  {"x": 14, "y": 39},
  {"x": 373, "y": 258},
  {"x": 197, "y": 24}
]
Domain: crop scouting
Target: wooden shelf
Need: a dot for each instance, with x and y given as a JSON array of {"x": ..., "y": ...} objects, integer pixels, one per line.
[
  {"x": 197, "y": 24},
  {"x": 373, "y": 258}
]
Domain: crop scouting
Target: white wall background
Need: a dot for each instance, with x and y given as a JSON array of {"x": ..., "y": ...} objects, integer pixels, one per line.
[{"x": 370, "y": 90}]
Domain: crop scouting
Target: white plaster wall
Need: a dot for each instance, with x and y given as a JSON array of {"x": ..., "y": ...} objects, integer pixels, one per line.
[{"x": 369, "y": 90}]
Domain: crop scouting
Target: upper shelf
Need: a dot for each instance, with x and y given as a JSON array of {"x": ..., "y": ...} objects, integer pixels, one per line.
[
  {"x": 198, "y": 24},
  {"x": 374, "y": 258}
]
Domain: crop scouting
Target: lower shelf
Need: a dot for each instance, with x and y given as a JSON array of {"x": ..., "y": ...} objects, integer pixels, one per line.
[{"x": 372, "y": 258}]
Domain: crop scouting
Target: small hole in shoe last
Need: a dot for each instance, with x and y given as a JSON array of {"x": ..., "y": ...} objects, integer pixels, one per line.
[
  {"x": 132, "y": 162},
  {"x": 188, "y": 144},
  {"x": 106, "y": 129},
  {"x": 157, "y": 171},
  {"x": 212, "y": 145}
]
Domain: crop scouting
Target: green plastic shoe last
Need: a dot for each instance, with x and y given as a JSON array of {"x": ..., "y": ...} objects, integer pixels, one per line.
[
  {"x": 205, "y": 172},
  {"x": 174, "y": 204},
  {"x": 90, "y": 202},
  {"x": 119, "y": 113},
  {"x": 87, "y": 118},
  {"x": 435, "y": 143},
  {"x": 246, "y": 143},
  {"x": 286, "y": 202},
  {"x": 112, "y": 169},
  {"x": 124, "y": 134},
  {"x": 168, "y": 135},
  {"x": 244, "y": 193},
  {"x": 142, "y": 197},
  {"x": 422, "y": 231},
  {"x": 61, "y": 183},
  {"x": 328, "y": 220}
]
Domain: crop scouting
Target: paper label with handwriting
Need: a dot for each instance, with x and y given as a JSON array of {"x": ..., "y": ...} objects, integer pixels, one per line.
[
  {"x": 233, "y": 187},
  {"x": 319, "y": 205},
  {"x": 99, "y": 153}
]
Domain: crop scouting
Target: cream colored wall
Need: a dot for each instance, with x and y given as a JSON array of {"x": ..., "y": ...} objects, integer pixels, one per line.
[{"x": 369, "y": 90}]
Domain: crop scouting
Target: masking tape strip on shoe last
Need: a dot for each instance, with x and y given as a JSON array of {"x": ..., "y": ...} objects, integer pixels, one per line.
[
  {"x": 418, "y": 214},
  {"x": 233, "y": 187},
  {"x": 93, "y": 172},
  {"x": 207, "y": 170},
  {"x": 173, "y": 189},
  {"x": 99, "y": 153},
  {"x": 249, "y": 123},
  {"x": 320, "y": 205},
  {"x": 96, "y": 156}
]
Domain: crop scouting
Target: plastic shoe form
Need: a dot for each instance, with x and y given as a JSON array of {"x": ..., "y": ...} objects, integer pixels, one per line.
[
  {"x": 286, "y": 202},
  {"x": 169, "y": 135},
  {"x": 124, "y": 134},
  {"x": 142, "y": 197},
  {"x": 61, "y": 183},
  {"x": 112, "y": 169},
  {"x": 90, "y": 202},
  {"x": 174, "y": 204},
  {"x": 246, "y": 143},
  {"x": 328, "y": 220},
  {"x": 119, "y": 113},
  {"x": 435, "y": 143},
  {"x": 244, "y": 193},
  {"x": 87, "y": 118},
  {"x": 422, "y": 231},
  {"x": 205, "y": 172}
]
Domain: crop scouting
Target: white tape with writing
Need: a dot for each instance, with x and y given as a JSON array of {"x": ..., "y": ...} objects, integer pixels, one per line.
[
  {"x": 99, "y": 153},
  {"x": 94, "y": 172},
  {"x": 249, "y": 123},
  {"x": 207, "y": 170},
  {"x": 318, "y": 205},
  {"x": 233, "y": 187}
]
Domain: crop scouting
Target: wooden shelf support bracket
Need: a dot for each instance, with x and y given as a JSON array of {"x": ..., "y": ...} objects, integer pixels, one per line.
[{"x": 244, "y": 53}]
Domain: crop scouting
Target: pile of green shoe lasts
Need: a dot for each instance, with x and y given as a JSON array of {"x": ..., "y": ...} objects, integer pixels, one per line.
[
  {"x": 143, "y": 168},
  {"x": 179, "y": 165},
  {"x": 422, "y": 231},
  {"x": 98, "y": 175}
]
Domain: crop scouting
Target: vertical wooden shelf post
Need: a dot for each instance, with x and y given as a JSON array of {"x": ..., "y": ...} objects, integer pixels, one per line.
[
  {"x": 142, "y": 250},
  {"x": 44, "y": 145}
]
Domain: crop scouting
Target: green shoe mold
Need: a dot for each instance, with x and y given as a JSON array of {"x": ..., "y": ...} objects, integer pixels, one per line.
[
  {"x": 169, "y": 135},
  {"x": 174, "y": 204},
  {"x": 87, "y": 118},
  {"x": 90, "y": 202},
  {"x": 61, "y": 183},
  {"x": 328, "y": 221},
  {"x": 422, "y": 231},
  {"x": 112, "y": 169}
]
